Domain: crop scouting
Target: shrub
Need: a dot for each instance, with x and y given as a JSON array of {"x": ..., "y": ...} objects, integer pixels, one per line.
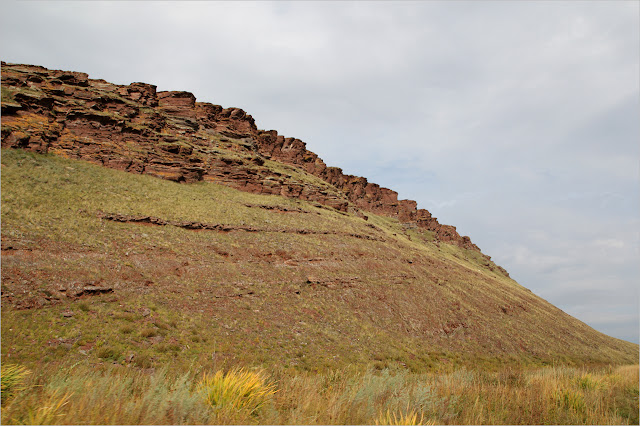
[
  {"x": 108, "y": 353},
  {"x": 238, "y": 389},
  {"x": 143, "y": 361},
  {"x": 149, "y": 332}
]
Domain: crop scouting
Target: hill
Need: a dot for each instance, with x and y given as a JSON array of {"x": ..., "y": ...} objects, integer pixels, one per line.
[{"x": 247, "y": 250}]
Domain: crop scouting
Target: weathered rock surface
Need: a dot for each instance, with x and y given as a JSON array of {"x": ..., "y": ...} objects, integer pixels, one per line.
[{"x": 171, "y": 136}]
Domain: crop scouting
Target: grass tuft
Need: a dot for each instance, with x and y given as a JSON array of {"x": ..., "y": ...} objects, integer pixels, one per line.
[
  {"x": 238, "y": 389},
  {"x": 392, "y": 418},
  {"x": 49, "y": 411},
  {"x": 13, "y": 377},
  {"x": 588, "y": 382}
]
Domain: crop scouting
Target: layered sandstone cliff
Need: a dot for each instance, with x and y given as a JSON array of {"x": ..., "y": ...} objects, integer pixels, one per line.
[{"x": 169, "y": 135}]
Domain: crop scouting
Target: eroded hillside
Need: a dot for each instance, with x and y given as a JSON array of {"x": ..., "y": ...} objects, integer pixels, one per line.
[{"x": 248, "y": 251}]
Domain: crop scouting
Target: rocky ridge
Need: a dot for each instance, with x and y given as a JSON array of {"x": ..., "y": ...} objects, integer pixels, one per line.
[{"x": 169, "y": 135}]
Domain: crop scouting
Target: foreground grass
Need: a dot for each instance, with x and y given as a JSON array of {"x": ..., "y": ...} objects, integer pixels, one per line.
[{"x": 107, "y": 394}]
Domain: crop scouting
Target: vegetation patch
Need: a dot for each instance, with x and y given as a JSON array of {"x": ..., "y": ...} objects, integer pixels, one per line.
[
  {"x": 236, "y": 390},
  {"x": 112, "y": 394},
  {"x": 13, "y": 378}
]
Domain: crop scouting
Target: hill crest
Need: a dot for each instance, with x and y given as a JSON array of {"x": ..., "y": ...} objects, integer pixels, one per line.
[{"x": 169, "y": 135}]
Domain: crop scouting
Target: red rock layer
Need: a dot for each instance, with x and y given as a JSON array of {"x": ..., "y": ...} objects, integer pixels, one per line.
[{"x": 170, "y": 135}]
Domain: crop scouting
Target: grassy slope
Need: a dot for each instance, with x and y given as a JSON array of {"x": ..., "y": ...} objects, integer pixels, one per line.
[{"x": 305, "y": 301}]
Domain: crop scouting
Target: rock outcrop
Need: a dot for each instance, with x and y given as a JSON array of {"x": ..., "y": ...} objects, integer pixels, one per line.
[{"x": 171, "y": 136}]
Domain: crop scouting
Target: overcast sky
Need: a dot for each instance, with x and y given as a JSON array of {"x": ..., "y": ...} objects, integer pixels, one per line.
[{"x": 517, "y": 122}]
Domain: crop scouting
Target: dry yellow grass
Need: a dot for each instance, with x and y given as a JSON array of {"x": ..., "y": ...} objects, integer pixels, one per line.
[
  {"x": 238, "y": 389},
  {"x": 401, "y": 418},
  {"x": 115, "y": 395},
  {"x": 13, "y": 378}
]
